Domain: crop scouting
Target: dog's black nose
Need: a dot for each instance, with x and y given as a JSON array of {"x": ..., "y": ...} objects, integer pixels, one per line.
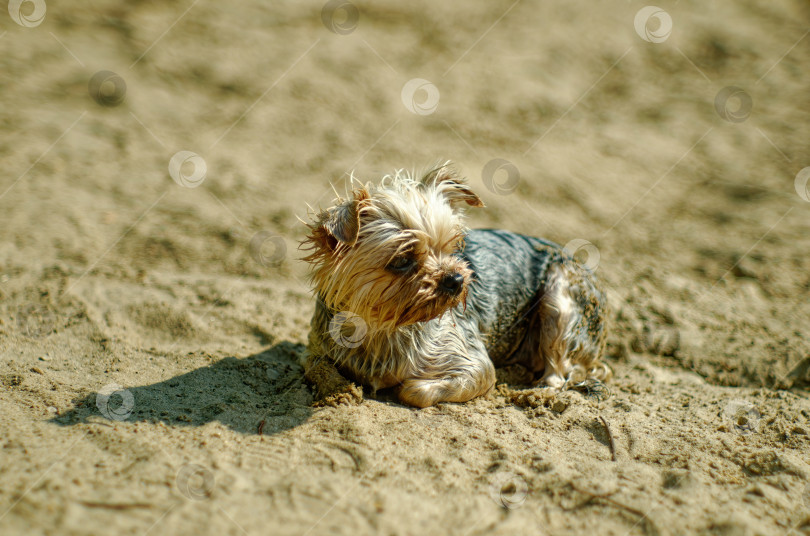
[{"x": 452, "y": 283}]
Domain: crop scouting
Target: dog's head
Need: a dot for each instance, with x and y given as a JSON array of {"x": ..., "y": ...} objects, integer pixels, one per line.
[{"x": 389, "y": 254}]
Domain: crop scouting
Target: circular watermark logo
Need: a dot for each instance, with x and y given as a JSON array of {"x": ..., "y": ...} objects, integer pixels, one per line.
[
  {"x": 107, "y": 88},
  {"x": 348, "y": 329},
  {"x": 268, "y": 249},
  {"x": 28, "y": 13},
  {"x": 733, "y": 104},
  {"x": 428, "y": 96},
  {"x": 508, "y": 489},
  {"x": 579, "y": 248},
  {"x": 195, "y": 482},
  {"x": 187, "y": 169},
  {"x": 801, "y": 183},
  {"x": 508, "y": 176},
  {"x": 36, "y": 320},
  {"x": 340, "y": 16},
  {"x": 115, "y": 402},
  {"x": 653, "y": 24},
  {"x": 742, "y": 416}
]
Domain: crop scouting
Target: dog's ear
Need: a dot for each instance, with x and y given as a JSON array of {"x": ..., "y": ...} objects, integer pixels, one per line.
[
  {"x": 339, "y": 225},
  {"x": 446, "y": 179}
]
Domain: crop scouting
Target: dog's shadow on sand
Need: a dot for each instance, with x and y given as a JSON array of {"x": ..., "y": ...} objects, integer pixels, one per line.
[{"x": 264, "y": 393}]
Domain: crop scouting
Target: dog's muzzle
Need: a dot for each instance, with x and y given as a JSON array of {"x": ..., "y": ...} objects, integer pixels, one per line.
[{"x": 452, "y": 284}]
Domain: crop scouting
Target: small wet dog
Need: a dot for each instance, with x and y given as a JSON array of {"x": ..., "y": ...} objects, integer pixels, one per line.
[{"x": 408, "y": 297}]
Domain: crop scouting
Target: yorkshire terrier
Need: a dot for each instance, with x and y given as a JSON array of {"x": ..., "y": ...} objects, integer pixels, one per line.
[{"x": 409, "y": 297}]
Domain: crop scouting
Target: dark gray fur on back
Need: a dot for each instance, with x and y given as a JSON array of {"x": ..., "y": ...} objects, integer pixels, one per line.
[{"x": 510, "y": 273}]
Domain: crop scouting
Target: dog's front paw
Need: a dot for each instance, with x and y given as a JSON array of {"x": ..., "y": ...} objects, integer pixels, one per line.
[
  {"x": 330, "y": 387},
  {"x": 423, "y": 393}
]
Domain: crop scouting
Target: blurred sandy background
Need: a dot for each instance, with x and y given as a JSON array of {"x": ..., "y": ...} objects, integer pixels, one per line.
[{"x": 149, "y": 370}]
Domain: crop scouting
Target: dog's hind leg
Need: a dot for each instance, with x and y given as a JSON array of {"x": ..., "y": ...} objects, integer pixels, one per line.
[{"x": 572, "y": 332}]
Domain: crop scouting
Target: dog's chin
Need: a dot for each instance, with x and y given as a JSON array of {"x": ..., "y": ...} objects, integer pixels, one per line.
[
  {"x": 442, "y": 305},
  {"x": 423, "y": 312}
]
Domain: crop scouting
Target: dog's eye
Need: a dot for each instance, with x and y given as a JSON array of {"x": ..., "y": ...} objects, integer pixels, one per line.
[{"x": 401, "y": 264}]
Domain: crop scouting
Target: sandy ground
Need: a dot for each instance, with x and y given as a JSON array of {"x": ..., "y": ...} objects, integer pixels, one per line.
[{"x": 150, "y": 377}]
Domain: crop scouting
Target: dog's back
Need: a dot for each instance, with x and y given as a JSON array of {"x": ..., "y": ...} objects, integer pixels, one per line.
[{"x": 536, "y": 306}]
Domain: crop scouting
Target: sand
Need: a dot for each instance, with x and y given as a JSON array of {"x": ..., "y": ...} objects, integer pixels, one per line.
[{"x": 151, "y": 331}]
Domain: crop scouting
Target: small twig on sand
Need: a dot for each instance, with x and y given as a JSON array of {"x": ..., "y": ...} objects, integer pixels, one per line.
[
  {"x": 610, "y": 437},
  {"x": 261, "y": 427}
]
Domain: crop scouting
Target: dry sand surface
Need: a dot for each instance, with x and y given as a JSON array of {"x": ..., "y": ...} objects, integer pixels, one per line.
[{"x": 150, "y": 377}]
